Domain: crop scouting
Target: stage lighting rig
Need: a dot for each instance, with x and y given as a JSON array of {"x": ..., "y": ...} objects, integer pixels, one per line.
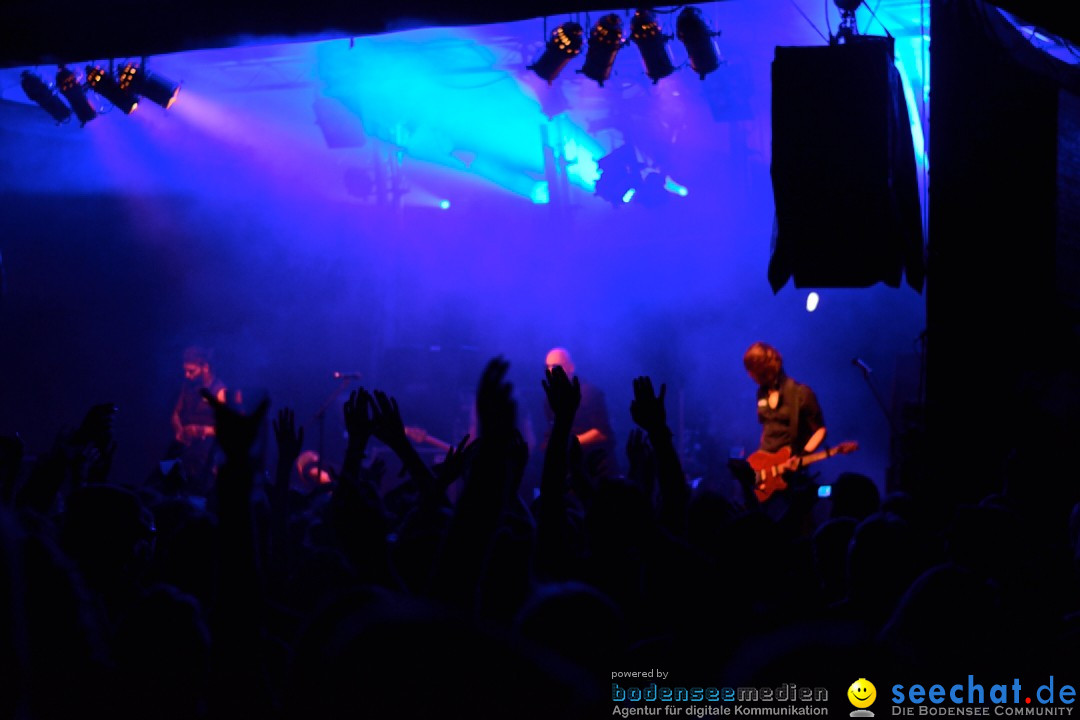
[
  {"x": 46, "y": 98},
  {"x": 105, "y": 85},
  {"x": 72, "y": 90},
  {"x": 134, "y": 78},
  {"x": 699, "y": 40},
  {"x": 563, "y": 46},
  {"x": 605, "y": 40},
  {"x": 652, "y": 43},
  {"x": 620, "y": 175},
  {"x": 848, "y": 28}
]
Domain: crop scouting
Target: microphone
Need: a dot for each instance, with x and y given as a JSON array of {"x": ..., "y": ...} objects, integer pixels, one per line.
[
  {"x": 857, "y": 362},
  {"x": 347, "y": 375}
]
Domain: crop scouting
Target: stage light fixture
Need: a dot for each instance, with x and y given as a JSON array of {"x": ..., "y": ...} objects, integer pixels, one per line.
[
  {"x": 564, "y": 46},
  {"x": 849, "y": 28},
  {"x": 699, "y": 41},
  {"x": 107, "y": 87},
  {"x": 155, "y": 88},
  {"x": 620, "y": 175},
  {"x": 652, "y": 190},
  {"x": 605, "y": 40},
  {"x": 46, "y": 98},
  {"x": 72, "y": 90},
  {"x": 652, "y": 43}
]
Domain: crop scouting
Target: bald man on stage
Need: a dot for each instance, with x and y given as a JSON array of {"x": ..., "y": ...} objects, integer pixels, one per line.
[{"x": 591, "y": 423}]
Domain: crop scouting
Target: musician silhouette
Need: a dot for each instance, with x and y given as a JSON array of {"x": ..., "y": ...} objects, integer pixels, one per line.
[
  {"x": 792, "y": 424},
  {"x": 192, "y": 420}
]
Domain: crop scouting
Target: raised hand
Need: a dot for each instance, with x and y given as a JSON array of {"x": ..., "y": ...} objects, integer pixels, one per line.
[
  {"x": 236, "y": 432},
  {"x": 453, "y": 465},
  {"x": 564, "y": 395},
  {"x": 647, "y": 408},
  {"x": 101, "y": 459},
  {"x": 358, "y": 417},
  {"x": 290, "y": 439},
  {"x": 496, "y": 409},
  {"x": 386, "y": 423},
  {"x": 97, "y": 427}
]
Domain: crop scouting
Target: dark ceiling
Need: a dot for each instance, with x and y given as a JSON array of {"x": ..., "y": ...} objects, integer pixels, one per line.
[{"x": 34, "y": 32}]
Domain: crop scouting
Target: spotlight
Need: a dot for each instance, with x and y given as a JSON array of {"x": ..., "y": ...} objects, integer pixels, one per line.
[
  {"x": 73, "y": 91},
  {"x": 675, "y": 188},
  {"x": 564, "y": 45},
  {"x": 36, "y": 89},
  {"x": 605, "y": 39},
  {"x": 620, "y": 175},
  {"x": 699, "y": 40},
  {"x": 152, "y": 87},
  {"x": 106, "y": 86},
  {"x": 652, "y": 43}
]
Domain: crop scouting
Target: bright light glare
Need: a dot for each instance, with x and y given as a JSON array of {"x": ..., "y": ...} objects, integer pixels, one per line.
[{"x": 673, "y": 187}]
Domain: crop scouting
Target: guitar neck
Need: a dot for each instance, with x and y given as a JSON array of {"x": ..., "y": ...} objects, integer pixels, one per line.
[{"x": 816, "y": 456}]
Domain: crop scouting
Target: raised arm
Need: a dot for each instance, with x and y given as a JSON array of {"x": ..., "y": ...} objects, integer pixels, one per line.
[
  {"x": 359, "y": 425},
  {"x": 236, "y": 617},
  {"x": 564, "y": 398},
  {"x": 390, "y": 430},
  {"x": 489, "y": 485},
  {"x": 648, "y": 411},
  {"x": 290, "y": 442}
]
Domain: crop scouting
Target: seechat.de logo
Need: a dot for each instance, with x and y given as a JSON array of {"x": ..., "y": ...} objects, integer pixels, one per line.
[
  {"x": 862, "y": 695},
  {"x": 977, "y": 698}
]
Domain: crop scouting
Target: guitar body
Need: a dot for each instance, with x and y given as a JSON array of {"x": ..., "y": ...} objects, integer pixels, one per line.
[{"x": 769, "y": 468}]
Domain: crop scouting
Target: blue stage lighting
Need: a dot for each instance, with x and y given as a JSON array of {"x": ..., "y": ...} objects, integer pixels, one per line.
[{"x": 620, "y": 175}]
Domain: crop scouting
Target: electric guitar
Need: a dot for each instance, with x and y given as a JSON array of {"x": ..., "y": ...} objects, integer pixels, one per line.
[
  {"x": 419, "y": 435},
  {"x": 769, "y": 467}
]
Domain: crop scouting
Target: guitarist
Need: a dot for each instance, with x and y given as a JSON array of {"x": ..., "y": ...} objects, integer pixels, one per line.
[{"x": 788, "y": 411}]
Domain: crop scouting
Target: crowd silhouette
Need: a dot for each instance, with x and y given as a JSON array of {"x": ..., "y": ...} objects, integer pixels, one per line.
[{"x": 364, "y": 598}]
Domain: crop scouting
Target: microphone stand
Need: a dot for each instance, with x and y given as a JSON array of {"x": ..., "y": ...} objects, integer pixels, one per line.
[
  {"x": 320, "y": 415},
  {"x": 894, "y": 434},
  {"x": 877, "y": 396}
]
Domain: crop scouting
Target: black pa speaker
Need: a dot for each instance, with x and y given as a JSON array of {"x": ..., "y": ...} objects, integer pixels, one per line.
[{"x": 843, "y": 169}]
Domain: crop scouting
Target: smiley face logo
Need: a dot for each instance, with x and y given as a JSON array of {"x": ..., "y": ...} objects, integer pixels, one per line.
[{"x": 862, "y": 693}]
